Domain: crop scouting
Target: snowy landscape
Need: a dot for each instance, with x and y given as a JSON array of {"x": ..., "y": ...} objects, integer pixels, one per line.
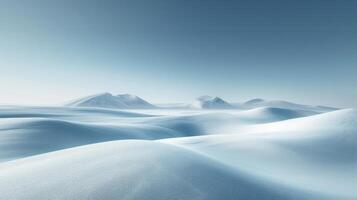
[
  {"x": 178, "y": 100},
  {"x": 122, "y": 147}
]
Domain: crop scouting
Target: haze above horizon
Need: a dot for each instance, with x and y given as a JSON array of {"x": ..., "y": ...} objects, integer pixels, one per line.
[{"x": 169, "y": 51}]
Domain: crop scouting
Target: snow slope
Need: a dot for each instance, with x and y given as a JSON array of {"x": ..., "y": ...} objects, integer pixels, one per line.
[
  {"x": 133, "y": 170},
  {"x": 29, "y": 131},
  {"x": 261, "y": 153},
  {"x": 25, "y": 137},
  {"x": 133, "y": 101},
  {"x": 256, "y": 103},
  {"x": 105, "y": 100},
  {"x": 272, "y": 114},
  {"x": 316, "y": 153}
]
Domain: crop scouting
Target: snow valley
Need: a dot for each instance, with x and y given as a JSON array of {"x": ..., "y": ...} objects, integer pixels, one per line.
[{"x": 109, "y": 146}]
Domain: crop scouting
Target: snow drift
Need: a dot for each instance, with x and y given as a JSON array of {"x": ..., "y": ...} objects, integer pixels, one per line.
[
  {"x": 272, "y": 114},
  {"x": 260, "y": 153},
  {"x": 29, "y": 131},
  {"x": 256, "y": 103},
  {"x": 316, "y": 153},
  {"x": 133, "y": 170}
]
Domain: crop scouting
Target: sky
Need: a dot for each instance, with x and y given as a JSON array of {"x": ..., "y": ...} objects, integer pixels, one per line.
[{"x": 169, "y": 51}]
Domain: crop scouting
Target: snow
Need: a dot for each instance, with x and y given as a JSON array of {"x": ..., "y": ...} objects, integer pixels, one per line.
[
  {"x": 256, "y": 103},
  {"x": 129, "y": 101},
  {"x": 271, "y": 114},
  {"x": 208, "y": 102},
  {"x": 263, "y": 152},
  {"x": 107, "y": 100},
  {"x": 132, "y": 170},
  {"x": 133, "y": 101},
  {"x": 316, "y": 153}
]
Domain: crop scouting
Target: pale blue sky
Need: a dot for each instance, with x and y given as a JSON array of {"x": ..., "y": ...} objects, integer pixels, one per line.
[{"x": 173, "y": 51}]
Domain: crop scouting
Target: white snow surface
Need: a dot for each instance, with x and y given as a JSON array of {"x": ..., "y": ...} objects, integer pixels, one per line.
[
  {"x": 256, "y": 103},
  {"x": 265, "y": 152}
]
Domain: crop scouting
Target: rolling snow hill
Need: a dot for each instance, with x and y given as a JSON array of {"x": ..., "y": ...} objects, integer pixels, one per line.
[
  {"x": 272, "y": 114},
  {"x": 27, "y": 131},
  {"x": 260, "y": 153},
  {"x": 256, "y": 103},
  {"x": 134, "y": 170},
  {"x": 315, "y": 153}
]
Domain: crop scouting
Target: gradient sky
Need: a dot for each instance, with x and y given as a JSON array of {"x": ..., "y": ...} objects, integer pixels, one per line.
[{"x": 175, "y": 50}]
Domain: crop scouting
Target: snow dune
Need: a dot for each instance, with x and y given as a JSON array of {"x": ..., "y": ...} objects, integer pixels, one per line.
[
  {"x": 25, "y": 137},
  {"x": 260, "y": 153},
  {"x": 256, "y": 103},
  {"x": 271, "y": 114},
  {"x": 133, "y": 170},
  {"x": 316, "y": 153},
  {"x": 33, "y": 130},
  {"x": 61, "y": 112}
]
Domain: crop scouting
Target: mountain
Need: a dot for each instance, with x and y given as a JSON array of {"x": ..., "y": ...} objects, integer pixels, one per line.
[
  {"x": 257, "y": 103},
  {"x": 104, "y": 100},
  {"x": 133, "y": 101},
  {"x": 208, "y": 102},
  {"x": 107, "y": 100}
]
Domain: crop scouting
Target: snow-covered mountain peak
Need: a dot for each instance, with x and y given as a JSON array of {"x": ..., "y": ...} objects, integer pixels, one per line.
[
  {"x": 134, "y": 101},
  {"x": 127, "y": 96},
  {"x": 208, "y": 102},
  {"x": 107, "y": 100}
]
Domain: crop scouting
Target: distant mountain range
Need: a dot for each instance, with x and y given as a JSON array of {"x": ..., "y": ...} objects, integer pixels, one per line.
[
  {"x": 107, "y": 100},
  {"x": 128, "y": 101}
]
